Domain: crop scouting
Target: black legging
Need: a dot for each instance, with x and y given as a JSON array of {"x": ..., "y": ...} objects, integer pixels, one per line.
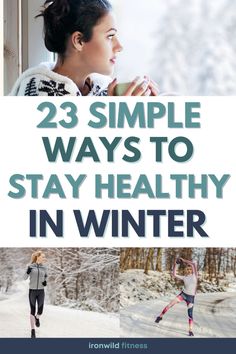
[{"x": 36, "y": 296}]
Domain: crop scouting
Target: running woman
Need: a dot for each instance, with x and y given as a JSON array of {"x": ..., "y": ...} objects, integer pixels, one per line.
[
  {"x": 188, "y": 293},
  {"x": 37, "y": 273}
]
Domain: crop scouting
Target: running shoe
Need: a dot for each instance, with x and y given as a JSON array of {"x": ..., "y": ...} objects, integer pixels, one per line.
[
  {"x": 190, "y": 333},
  {"x": 158, "y": 319},
  {"x": 37, "y": 323}
]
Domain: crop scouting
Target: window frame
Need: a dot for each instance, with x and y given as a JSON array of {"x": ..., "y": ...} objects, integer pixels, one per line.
[
  {"x": 26, "y": 47},
  {"x": 1, "y": 49}
]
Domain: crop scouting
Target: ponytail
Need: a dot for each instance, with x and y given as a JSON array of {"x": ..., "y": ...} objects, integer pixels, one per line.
[{"x": 35, "y": 256}]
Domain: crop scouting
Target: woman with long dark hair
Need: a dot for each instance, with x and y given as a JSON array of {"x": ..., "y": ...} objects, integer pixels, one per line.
[{"x": 83, "y": 34}]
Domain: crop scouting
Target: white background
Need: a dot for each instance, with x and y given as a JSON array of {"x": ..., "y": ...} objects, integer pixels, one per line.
[{"x": 22, "y": 152}]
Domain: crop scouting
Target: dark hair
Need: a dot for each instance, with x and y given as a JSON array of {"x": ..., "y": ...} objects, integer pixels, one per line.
[{"x": 64, "y": 17}]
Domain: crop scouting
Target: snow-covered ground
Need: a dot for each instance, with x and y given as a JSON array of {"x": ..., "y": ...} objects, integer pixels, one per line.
[
  {"x": 214, "y": 312},
  {"x": 56, "y": 322},
  {"x": 214, "y": 316}
]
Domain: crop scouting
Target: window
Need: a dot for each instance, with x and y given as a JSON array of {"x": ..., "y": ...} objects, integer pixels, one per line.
[
  {"x": 185, "y": 49},
  {"x": 23, "y": 39},
  {"x": 1, "y": 47}
]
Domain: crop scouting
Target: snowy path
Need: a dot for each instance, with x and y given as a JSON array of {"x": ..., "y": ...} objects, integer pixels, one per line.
[
  {"x": 214, "y": 316},
  {"x": 56, "y": 322}
]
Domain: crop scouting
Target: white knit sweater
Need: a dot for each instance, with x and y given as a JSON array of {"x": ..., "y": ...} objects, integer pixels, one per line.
[{"x": 42, "y": 81}]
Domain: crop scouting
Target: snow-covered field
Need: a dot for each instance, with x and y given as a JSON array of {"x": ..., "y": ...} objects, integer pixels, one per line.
[
  {"x": 214, "y": 312},
  {"x": 56, "y": 322},
  {"x": 214, "y": 316}
]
